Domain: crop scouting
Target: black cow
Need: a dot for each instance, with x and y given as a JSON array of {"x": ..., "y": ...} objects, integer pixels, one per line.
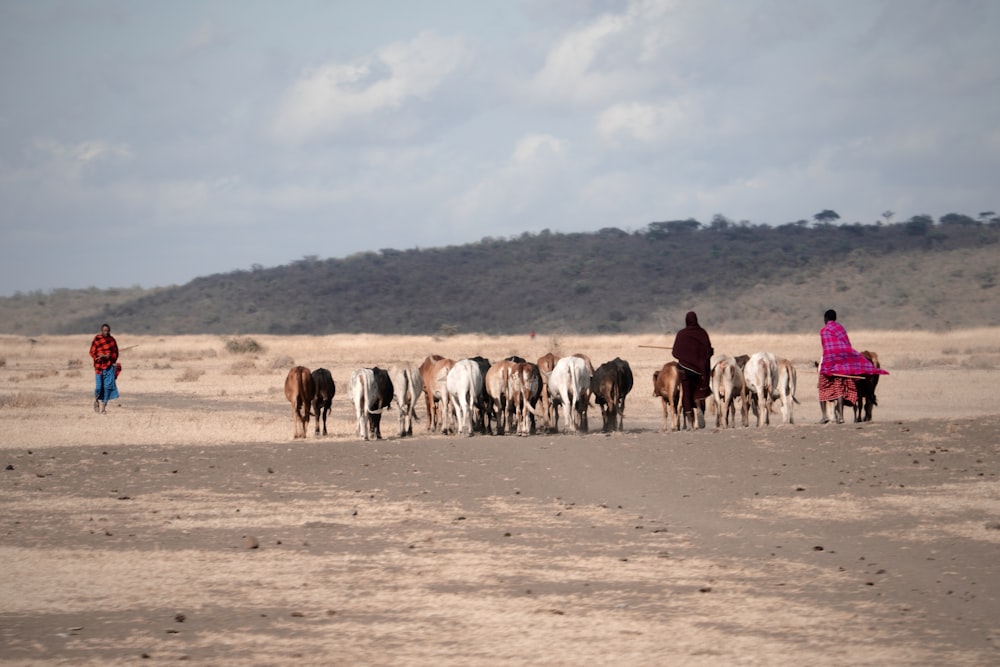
[
  {"x": 323, "y": 398},
  {"x": 865, "y": 386},
  {"x": 384, "y": 392},
  {"x": 484, "y": 415}
]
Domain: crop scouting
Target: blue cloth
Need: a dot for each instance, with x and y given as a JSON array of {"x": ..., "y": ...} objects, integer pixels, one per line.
[{"x": 105, "y": 388}]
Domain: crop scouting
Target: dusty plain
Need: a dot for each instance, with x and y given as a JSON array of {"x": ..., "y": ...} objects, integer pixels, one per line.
[{"x": 187, "y": 525}]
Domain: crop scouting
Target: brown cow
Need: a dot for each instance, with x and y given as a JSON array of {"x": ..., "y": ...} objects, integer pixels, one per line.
[
  {"x": 525, "y": 390},
  {"x": 300, "y": 391},
  {"x": 497, "y": 383},
  {"x": 667, "y": 385},
  {"x": 426, "y": 371}
]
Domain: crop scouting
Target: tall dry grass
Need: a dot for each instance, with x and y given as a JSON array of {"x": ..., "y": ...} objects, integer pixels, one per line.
[{"x": 196, "y": 390}]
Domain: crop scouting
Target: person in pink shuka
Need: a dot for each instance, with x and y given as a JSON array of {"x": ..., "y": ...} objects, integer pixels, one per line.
[{"x": 841, "y": 364}]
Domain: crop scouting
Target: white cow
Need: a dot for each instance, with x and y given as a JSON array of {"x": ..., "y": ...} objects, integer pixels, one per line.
[
  {"x": 364, "y": 396},
  {"x": 545, "y": 364},
  {"x": 760, "y": 374},
  {"x": 785, "y": 389},
  {"x": 569, "y": 385},
  {"x": 727, "y": 386},
  {"x": 464, "y": 382},
  {"x": 439, "y": 392},
  {"x": 407, "y": 385}
]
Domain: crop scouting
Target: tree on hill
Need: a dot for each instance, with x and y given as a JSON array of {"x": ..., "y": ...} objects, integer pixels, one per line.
[{"x": 826, "y": 217}]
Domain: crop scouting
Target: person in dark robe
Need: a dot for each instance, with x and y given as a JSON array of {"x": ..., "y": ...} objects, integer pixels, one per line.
[{"x": 693, "y": 351}]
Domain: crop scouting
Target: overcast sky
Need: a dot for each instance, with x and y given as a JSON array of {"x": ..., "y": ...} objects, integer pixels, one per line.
[{"x": 152, "y": 142}]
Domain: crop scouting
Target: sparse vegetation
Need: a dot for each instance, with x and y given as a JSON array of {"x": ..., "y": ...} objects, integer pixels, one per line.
[
  {"x": 283, "y": 362},
  {"x": 914, "y": 274},
  {"x": 243, "y": 345},
  {"x": 190, "y": 375},
  {"x": 242, "y": 367},
  {"x": 22, "y": 400}
]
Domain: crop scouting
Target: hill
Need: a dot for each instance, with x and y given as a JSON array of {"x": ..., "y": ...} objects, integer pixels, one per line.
[{"x": 740, "y": 278}]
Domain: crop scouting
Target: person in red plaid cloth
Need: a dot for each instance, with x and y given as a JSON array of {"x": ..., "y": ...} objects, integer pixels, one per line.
[
  {"x": 841, "y": 365},
  {"x": 104, "y": 352}
]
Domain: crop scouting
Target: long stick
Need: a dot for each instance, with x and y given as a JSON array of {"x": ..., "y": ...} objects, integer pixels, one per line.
[
  {"x": 657, "y": 347},
  {"x": 129, "y": 347},
  {"x": 839, "y": 375}
]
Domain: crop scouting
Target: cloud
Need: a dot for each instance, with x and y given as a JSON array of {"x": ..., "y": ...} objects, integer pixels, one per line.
[
  {"x": 331, "y": 98},
  {"x": 581, "y": 67},
  {"x": 84, "y": 151},
  {"x": 641, "y": 123},
  {"x": 516, "y": 186},
  {"x": 61, "y": 163}
]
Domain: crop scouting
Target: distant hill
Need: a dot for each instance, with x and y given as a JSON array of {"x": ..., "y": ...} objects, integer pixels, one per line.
[{"x": 739, "y": 277}]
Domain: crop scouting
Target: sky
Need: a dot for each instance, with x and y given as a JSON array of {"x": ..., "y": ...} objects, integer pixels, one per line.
[{"x": 150, "y": 143}]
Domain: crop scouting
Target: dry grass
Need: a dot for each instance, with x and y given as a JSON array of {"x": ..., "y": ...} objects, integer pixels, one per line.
[
  {"x": 638, "y": 548},
  {"x": 190, "y": 375},
  {"x": 23, "y": 400},
  {"x": 239, "y": 398}
]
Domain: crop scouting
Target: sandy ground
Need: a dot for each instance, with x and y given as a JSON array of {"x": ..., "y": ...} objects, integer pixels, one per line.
[{"x": 186, "y": 524}]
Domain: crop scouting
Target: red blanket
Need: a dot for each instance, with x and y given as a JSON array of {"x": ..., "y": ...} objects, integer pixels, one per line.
[{"x": 839, "y": 357}]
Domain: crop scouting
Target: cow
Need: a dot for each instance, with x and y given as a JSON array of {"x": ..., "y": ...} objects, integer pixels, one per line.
[
  {"x": 464, "y": 383},
  {"x": 586, "y": 359},
  {"x": 439, "y": 391},
  {"x": 546, "y": 363},
  {"x": 300, "y": 391},
  {"x": 610, "y": 384},
  {"x": 865, "y": 386},
  {"x": 784, "y": 390},
  {"x": 667, "y": 386},
  {"x": 371, "y": 393},
  {"x": 760, "y": 374},
  {"x": 427, "y": 377},
  {"x": 323, "y": 399},
  {"x": 569, "y": 385},
  {"x": 497, "y": 382},
  {"x": 482, "y": 413},
  {"x": 525, "y": 387},
  {"x": 727, "y": 386},
  {"x": 407, "y": 385}
]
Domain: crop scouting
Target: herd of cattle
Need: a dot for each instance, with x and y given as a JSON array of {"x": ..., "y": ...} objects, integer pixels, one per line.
[{"x": 515, "y": 396}]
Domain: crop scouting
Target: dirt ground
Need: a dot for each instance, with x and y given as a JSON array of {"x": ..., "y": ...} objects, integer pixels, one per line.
[{"x": 186, "y": 524}]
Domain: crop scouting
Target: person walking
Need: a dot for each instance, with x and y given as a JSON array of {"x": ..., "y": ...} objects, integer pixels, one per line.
[
  {"x": 841, "y": 365},
  {"x": 693, "y": 351},
  {"x": 104, "y": 352}
]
